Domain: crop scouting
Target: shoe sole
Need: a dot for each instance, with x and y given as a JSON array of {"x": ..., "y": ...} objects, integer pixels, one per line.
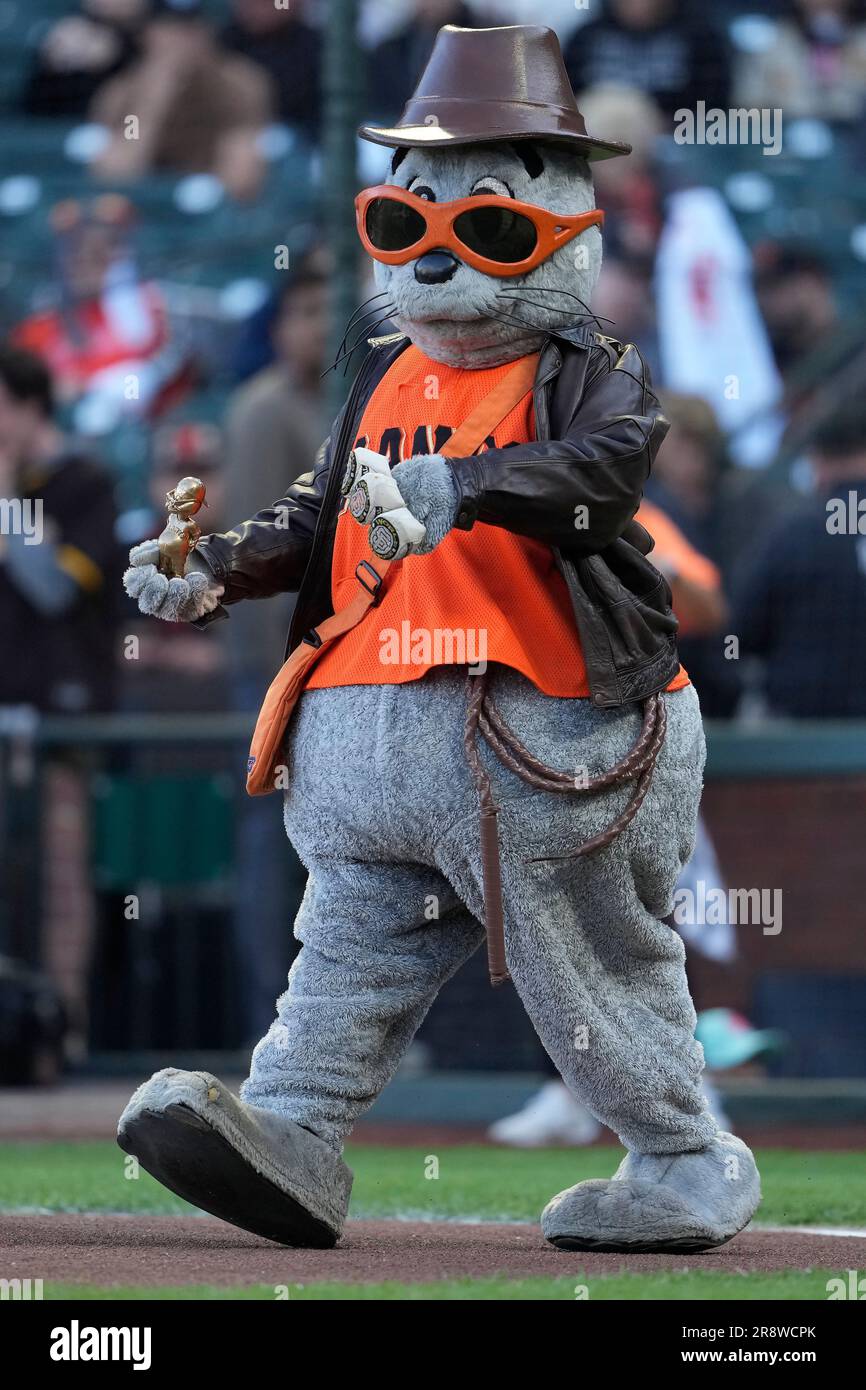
[
  {"x": 181, "y": 1150},
  {"x": 686, "y": 1245}
]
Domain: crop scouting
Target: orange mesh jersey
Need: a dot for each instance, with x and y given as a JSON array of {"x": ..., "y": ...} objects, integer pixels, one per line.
[{"x": 481, "y": 595}]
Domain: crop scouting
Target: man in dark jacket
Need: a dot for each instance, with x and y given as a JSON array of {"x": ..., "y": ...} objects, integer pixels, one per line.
[
  {"x": 801, "y": 606},
  {"x": 58, "y": 578},
  {"x": 276, "y": 39},
  {"x": 58, "y": 554},
  {"x": 667, "y": 48}
]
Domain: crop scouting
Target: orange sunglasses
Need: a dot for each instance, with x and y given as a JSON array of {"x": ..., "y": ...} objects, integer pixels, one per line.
[{"x": 496, "y": 235}]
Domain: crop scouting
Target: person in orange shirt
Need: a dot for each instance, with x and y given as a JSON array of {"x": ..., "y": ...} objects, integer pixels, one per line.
[
  {"x": 696, "y": 584},
  {"x": 110, "y": 325}
]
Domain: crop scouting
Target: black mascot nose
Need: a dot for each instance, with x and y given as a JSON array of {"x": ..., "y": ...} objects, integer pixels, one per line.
[{"x": 435, "y": 268}]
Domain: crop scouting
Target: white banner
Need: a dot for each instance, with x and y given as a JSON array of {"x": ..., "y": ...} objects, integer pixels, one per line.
[{"x": 712, "y": 340}]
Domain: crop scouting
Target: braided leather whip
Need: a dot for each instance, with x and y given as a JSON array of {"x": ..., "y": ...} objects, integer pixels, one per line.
[{"x": 635, "y": 766}]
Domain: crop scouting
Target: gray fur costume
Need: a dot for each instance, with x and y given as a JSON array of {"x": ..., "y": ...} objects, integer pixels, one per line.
[{"x": 389, "y": 832}]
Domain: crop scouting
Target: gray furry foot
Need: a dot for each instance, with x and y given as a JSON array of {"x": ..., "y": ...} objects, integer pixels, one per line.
[
  {"x": 247, "y": 1165},
  {"x": 657, "y": 1202}
]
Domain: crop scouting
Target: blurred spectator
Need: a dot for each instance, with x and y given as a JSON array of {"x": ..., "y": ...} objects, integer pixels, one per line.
[
  {"x": 795, "y": 295},
  {"x": 564, "y": 16},
  {"x": 394, "y": 66},
  {"x": 802, "y": 606},
  {"x": 254, "y": 347},
  {"x": 57, "y": 610},
  {"x": 812, "y": 63},
  {"x": 720, "y": 509},
  {"x": 273, "y": 431},
  {"x": 624, "y": 305},
  {"x": 686, "y": 483},
  {"x": 289, "y": 50},
  {"x": 79, "y": 53},
  {"x": 627, "y": 189},
  {"x": 689, "y": 466},
  {"x": 107, "y": 343},
  {"x": 695, "y": 582},
  {"x": 812, "y": 343},
  {"x": 198, "y": 108},
  {"x": 57, "y": 592},
  {"x": 665, "y": 48}
]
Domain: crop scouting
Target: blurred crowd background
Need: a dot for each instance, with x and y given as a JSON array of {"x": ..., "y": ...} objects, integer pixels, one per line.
[{"x": 166, "y": 309}]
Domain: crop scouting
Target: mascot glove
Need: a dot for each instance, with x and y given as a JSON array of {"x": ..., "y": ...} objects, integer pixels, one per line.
[
  {"x": 373, "y": 494},
  {"x": 396, "y": 534},
  {"x": 174, "y": 600},
  {"x": 426, "y": 485},
  {"x": 374, "y": 500},
  {"x": 362, "y": 461}
]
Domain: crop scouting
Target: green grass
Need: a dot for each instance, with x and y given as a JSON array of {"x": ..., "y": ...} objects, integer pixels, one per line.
[
  {"x": 789, "y": 1285},
  {"x": 472, "y": 1183},
  {"x": 800, "y": 1188}
]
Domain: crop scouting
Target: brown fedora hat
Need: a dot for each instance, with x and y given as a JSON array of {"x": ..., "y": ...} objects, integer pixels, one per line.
[{"x": 482, "y": 85}]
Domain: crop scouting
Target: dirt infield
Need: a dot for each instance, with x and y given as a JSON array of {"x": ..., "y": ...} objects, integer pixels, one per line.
[{"x": 138, "y": 1250}]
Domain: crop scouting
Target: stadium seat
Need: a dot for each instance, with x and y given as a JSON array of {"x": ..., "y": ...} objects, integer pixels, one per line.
[{"x": 138, "y": 830}]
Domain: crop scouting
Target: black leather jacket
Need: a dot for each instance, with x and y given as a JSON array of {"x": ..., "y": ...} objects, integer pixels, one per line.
[{"x": 598, "y": 427}]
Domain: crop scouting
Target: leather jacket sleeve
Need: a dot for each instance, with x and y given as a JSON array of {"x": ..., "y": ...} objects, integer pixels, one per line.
[
  {"x": 579, "y": 492},
  {"x": 268, "y": 554}
]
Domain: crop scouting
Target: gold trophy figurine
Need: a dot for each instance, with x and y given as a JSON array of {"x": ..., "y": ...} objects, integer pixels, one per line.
[{"x": 181, "y": 534}]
